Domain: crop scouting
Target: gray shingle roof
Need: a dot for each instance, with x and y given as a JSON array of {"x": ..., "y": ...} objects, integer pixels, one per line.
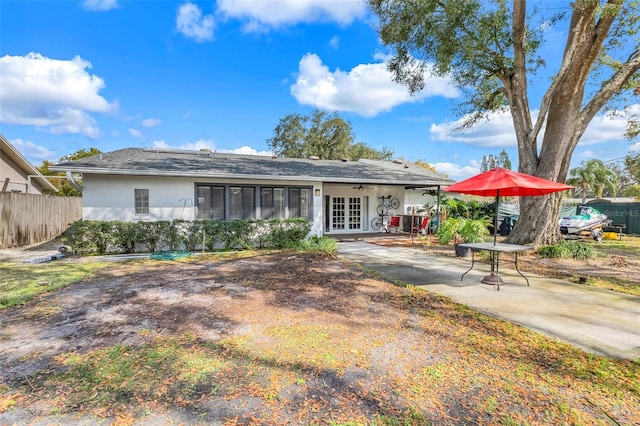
[{"x": 163, "y": 162}]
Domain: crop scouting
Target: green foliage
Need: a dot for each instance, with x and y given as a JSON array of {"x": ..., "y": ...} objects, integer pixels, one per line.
[
  {"x": 455, "y": 207},
  {"x": 126, "y": 235},
  {"x": 64, "y": 187},
  {"x": 323, "y": 246},
  {"x": 448, "y": 230},
  {"x": 632, "y": 165},
  {"x": 491, "y": 162},
  {"x": 90, "y": 237},
  {"x": 475, "y": 230},
  {"x": 327, "y": 136},
  {"x": 593, "y": 177},
  {"x": 567, "y": 249},
  {"x": 632, "y": 191},
  {"x": 461, "y": 230},
  {"x": 100, "y": 237},
  {"x": 287, "y": 233}
]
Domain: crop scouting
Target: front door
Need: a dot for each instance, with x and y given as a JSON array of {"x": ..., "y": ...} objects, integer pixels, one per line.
[{"x": 346, "y": 214}]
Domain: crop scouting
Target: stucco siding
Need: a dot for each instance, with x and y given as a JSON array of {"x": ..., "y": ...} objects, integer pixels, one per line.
[
  {"x": 18, "y": 178},
  {"x": 111, "y": 197}
]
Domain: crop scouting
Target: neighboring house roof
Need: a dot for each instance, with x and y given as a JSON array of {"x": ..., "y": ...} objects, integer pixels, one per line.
[
  {"x": 207, "y": 164},
  {"x": 11, "y": 152}
]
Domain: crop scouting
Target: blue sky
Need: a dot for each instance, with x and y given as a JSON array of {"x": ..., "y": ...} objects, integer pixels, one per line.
[{"x": 112, "y": 74}]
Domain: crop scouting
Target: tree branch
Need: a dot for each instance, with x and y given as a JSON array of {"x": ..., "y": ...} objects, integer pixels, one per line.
[
  {"x": 608, "y": 89},
  {"x": 573, "y": 43}
]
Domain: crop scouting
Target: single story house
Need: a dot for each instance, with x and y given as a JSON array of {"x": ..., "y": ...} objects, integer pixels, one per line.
[
  {"x": 17, "y": 174},
  {"x": 164, "y": 184}
]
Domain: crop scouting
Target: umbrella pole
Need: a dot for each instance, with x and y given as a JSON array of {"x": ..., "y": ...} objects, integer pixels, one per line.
[
  {"x": 493, "y": 279},
  {"x": 495, "y": 218}
]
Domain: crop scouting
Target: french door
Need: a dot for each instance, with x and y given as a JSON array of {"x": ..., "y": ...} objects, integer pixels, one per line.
[{"x": 346, "y": 214}]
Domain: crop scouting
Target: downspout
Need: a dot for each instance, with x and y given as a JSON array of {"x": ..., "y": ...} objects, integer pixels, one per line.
[{"x": 73, "y": 182}]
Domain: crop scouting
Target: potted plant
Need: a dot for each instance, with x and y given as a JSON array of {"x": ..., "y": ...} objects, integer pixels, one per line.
[{"x": 460, "y": 230}]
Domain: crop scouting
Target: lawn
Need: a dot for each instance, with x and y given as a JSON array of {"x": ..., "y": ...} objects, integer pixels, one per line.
[{"x": 286, "y": 338}]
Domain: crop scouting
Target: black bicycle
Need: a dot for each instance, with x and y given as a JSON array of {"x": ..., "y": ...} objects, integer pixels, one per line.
[{"x": 386, "y": 203}]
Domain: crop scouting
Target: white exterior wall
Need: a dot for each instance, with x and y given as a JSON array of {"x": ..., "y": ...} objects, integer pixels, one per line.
[
  {"x": 414, "y": 199},
  {"x": 111, "y": 197},
  {"x": 371, "y": 195}
]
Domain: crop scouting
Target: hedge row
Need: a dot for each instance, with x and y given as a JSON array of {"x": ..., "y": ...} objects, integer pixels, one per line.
[{"x": 102, "y": 237}]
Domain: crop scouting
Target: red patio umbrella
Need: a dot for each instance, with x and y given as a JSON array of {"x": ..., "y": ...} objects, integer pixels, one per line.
[{"x": 506, "y": 183}]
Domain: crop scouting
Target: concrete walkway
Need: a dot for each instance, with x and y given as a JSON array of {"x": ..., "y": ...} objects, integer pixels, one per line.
[{"x": 598, "y": 321}]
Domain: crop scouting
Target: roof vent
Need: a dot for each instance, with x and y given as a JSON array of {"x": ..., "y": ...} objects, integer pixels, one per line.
[
  {"x": 314, "y": 157},
  {"x": 397, "y": 161},
  {"x": 406, "y": 166},
  {"x": 344, "y": 160}
]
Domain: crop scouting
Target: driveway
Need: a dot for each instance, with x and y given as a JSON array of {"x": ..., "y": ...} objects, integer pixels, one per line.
[{"x": 598, "y": 321}]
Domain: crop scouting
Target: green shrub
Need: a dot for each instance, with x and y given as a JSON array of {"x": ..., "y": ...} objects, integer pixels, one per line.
[
  {"x": 448, "y": 230},
  {"x": 213, "y": 232},
  {"x": 287, "y": 233},
  {"x": 100, "y": 237},
  {"x": 461, "y": 230},
  {"x": 567, "y": 250},
  {"x": 126, "y": 235},
  {"x": 323, "y": 246}
]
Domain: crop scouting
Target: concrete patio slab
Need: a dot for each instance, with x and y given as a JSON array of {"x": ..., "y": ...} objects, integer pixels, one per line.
[{"x": 596, "y": 320}]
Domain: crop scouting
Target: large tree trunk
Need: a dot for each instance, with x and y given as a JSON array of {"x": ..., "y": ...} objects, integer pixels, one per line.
[{"x": 566, "y": 121}]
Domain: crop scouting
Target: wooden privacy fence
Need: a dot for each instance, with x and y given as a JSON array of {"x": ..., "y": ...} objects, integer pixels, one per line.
[{"x": 27, "y": 219}]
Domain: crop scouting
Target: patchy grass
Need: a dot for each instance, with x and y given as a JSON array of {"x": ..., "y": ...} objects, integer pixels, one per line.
[
  {"x": 163, "y": 370},
  {"x": 613, "y": 284},
  {"x": 310, "y": 340},
  {"x": 629, "y": 245},
  {"x": 20, "y": 283}
]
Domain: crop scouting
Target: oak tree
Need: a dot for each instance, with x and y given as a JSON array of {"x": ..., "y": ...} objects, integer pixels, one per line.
[
  {"x": 490, "y": 50},
  {"x": 323, "y": 135}
]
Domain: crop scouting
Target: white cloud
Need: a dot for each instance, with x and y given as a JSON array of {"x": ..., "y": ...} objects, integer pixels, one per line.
[
  {"x": 588, "y": 154},
  {"x": 367, "y": 89},
  {"x": 246, "y": 150},
  {"x": 99, "y": 5},
  {"x": 455, "y": 171},
  {"x": 199, "y": 144},
  {"x": 609, "y": 126},
  {"x": 209, "y": 144},
  {"x": 51, "y": 93},
  {"x": 151, "y": 122},
  {"x": 498, "y": 131},
  {"x": 32, "y": 151},
  {"x": 263, "y": 15},
  {"x": 135, "y": 133},
  {"x": 334, "y": 43},
  {"x": 192, "y": 24}
]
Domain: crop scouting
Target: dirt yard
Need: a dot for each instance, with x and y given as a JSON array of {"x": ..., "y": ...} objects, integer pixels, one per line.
[{"x": 287, "y": 338}]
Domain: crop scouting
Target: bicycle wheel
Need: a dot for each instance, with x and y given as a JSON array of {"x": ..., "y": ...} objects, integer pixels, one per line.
[
  {"x": 395, "y": 203},
  {"x": 376, "y": 223},
  {"x": 382, "y": 209}
]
